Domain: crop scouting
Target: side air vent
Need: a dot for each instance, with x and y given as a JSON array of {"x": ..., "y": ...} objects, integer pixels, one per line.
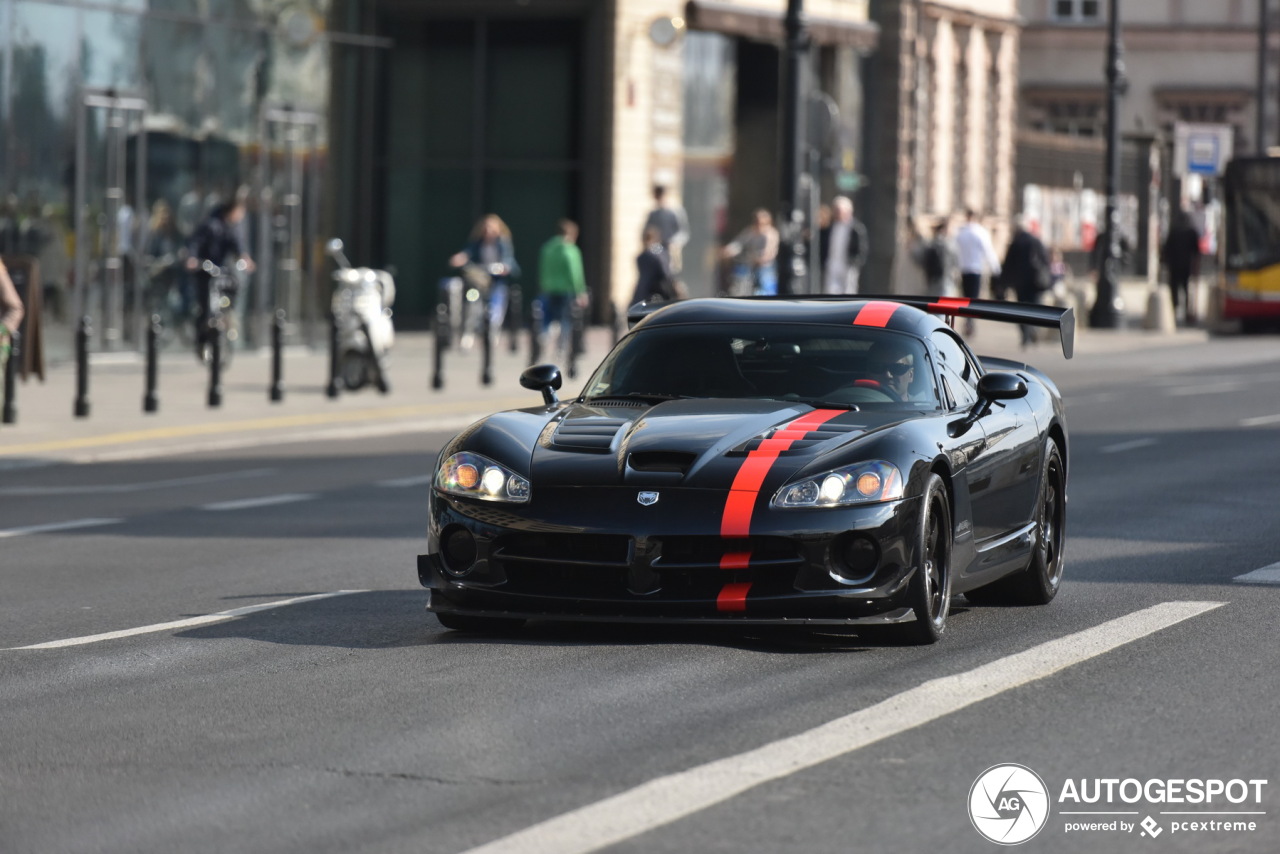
[
  {"x": 661, "y": 461},
  {"x": 587, "y": 434}
]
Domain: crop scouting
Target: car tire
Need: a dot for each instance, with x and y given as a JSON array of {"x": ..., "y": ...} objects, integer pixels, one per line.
[
  {"x": 479, "y": 625},
  {"x": 1039, "y": 582},
  {"x": 930, "y": 590}
]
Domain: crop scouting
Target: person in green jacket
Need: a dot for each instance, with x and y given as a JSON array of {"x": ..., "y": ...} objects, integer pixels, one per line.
[{"x": 561, "y": 282}]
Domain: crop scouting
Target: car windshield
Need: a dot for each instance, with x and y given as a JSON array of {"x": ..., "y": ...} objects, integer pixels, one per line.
[{"x": 825, "y": 366}]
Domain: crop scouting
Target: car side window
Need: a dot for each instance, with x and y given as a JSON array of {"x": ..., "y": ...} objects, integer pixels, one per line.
[{"x": 959, "y": 374}]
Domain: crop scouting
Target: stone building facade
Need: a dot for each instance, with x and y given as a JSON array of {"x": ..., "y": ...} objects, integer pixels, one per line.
[{"x": 943, "y": 90}]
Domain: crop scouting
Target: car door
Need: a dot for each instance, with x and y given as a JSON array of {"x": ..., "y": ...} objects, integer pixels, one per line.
[{"x": 1002, "y": 464}]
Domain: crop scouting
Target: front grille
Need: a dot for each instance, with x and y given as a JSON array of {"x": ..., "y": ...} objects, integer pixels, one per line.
[
  {"x": 590, "y": 549},
  {"x": 708, "y": 550}
]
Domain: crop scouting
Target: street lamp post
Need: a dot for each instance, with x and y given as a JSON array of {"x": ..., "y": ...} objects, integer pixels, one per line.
[
  {"x": 793, "y": 272},
  {"x": 1106, "y": 312},
  {"x": 1261, "y": 113}
]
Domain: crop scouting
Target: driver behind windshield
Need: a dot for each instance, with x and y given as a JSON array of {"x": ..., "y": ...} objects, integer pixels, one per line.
[{"x": 893, "y": 366}]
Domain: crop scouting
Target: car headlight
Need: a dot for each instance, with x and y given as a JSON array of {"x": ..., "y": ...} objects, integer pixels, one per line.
[
  {"x": 475, "y": 476},
  {"x": 863, "y": 483}
]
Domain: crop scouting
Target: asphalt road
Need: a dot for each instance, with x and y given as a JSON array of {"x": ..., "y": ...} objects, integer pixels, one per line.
[{"x": 354, "y": 722}]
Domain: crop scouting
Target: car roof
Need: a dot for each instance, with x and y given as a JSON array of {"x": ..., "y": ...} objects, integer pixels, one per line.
[{"x": 841, "y": 311}]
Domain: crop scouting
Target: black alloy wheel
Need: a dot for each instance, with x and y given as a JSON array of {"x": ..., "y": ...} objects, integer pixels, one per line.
[{"x": 930, "y": 591}]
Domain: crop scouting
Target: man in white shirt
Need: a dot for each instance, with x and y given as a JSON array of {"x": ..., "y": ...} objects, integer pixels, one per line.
[
  {"x": 977, "y": 256},
  {"x": 842, "y": 249}
]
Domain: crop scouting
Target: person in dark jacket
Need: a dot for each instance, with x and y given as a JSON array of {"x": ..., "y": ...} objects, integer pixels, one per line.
[
  {"x": 491, "y": 250},
  {"x": 216, "y": 240},
  {"x": 1025, "y": 271},
  {"x": 1181, "y": 257},
  {"x": 653, "y": 269}
]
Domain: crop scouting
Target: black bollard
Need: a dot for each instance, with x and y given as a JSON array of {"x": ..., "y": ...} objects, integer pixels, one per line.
[
  {"x": 277, "y": 357},
  {"x": 618, "y": 321},
  {"x": 536, "y": 323},
  {"x": 149, "y": 401},
  {"x": 331, "y": 390},
  {"x": 442, "y": 336},
  {"x": 83, "y": 331},
  {"x": 577, "y": 315},
  {"x": 515, "y": 317},
  {"x": 10, "y": 415},
  {"x": 486, "y": 347},
  {"x": 215, "y": 364}
]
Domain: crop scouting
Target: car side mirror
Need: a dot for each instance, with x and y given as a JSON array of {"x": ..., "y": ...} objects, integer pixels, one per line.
[
  {"x": 1001, "y": 385},
  {"x": 543, "y": 378},
  {"x": 997, "y": 385}
]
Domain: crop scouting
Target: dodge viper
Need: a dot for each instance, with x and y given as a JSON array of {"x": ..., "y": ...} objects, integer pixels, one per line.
[{"x": 792, "y": 461}]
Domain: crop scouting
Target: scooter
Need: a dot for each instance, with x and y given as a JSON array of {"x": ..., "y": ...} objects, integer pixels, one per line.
[{"x": 361, "y": 306}]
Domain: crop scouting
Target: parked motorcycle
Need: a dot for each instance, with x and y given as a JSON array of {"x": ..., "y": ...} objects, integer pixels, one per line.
[{"x": 362, "y": 300}]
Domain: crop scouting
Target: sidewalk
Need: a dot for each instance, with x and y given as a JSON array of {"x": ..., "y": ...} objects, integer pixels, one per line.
[{"x": 46, "y": 429}]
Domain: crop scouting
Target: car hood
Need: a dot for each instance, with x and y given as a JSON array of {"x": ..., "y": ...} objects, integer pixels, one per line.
[{"x": 699, "y": 443}]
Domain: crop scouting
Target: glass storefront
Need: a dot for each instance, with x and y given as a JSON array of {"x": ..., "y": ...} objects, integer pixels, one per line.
[{"x": 114, "y": 113}]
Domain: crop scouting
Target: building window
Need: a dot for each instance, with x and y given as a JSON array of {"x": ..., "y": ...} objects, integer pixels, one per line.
[
  {"x": 1066, "y": 115},
  {"x": 1077, "y": 10}
]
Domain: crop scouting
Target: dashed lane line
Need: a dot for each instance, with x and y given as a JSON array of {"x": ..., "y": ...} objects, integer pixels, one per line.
[
  {"x": 259, "y": 501},
  {"x": 57, "y": 526},
  {"x": 141, "y": 486},
  {"x": 400, "y": 482},
  {"x": 1131, "y": 445},
  {"x": 666, "y": 799},
  {"x": 1260, "y": 421},
  {"x": 187, "y": 623},
  {"x": 1266, "y": 575}
]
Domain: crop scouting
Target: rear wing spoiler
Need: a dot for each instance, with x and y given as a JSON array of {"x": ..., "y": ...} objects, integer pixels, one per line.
[
  {"x": 1053, "y": 317},
  {"x": 1031, "y": 314}
]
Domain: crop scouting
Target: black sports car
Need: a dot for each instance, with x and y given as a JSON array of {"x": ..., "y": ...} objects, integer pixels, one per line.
[{"x": 811, "y": 461}]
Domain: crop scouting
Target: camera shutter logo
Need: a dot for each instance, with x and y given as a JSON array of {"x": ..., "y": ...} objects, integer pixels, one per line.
[{"x": 1008, "y": 804}]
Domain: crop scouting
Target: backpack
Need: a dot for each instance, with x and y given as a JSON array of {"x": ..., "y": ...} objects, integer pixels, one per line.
[{"x": 934, "y": 264}]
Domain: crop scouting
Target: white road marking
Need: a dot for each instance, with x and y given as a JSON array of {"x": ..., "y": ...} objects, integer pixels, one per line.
[
  {"x": 57, "y": 526},
  {"x": 260, "y": 501},
  {"x": 1266, "y": 575},
  {"x": 1131, "y": 445},
  {"x": 186, "y": 623},
  {"x": 1260, "y": 421},
  {"x": 666, "y": 799},
  {"x": 134, "y": 487},
  {"x": 1214, "y": 388},
  {"x": 420, "y": 480}
]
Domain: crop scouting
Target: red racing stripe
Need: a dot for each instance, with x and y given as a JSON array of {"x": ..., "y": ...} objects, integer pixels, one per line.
[
  {"x": 876, "y": 314},
  {"x": 733, "y": 597},
  {"x": 735, "y": 523}
]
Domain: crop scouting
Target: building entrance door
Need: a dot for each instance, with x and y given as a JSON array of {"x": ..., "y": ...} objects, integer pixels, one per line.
[
  {"x": 287, "y": 227},
  {"x": 110, "y": 214}
]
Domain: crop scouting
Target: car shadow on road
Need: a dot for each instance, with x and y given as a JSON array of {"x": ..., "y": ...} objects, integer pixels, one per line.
[{"x": 392, "y": 619}]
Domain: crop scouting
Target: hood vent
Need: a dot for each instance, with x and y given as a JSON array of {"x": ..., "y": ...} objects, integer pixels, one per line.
[
  {"x": 661, "y": 461},
  {"x": 587, "y": 434},
  {"x": 824, "y": 433}
]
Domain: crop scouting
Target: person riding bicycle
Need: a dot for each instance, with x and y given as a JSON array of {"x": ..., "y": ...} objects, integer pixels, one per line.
[{"x": 216, "y": 241}]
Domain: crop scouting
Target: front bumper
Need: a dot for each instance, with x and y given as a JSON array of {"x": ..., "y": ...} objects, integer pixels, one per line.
[{"x": 668, "y": 562}]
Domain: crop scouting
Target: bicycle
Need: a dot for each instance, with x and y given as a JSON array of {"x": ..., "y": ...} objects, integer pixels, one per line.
[{"x": 221, "y": 317}]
